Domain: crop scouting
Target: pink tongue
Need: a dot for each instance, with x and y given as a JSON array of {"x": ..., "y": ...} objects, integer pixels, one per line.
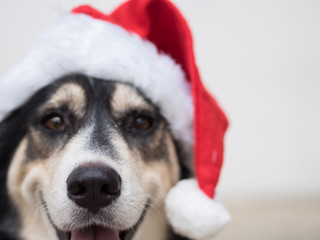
[{"x": 94, "y": 233}]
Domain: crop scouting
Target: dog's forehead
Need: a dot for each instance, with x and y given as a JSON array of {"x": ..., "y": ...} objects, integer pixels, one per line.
[{"x": 78, "y": 91}]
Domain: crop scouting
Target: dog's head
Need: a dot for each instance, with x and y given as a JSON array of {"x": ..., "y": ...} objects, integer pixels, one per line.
[{"x": 89, "y": 156}]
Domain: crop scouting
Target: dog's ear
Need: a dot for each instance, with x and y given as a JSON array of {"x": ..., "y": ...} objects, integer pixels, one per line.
[
  {"x": 12, "y": 129},
  {"x": 11, "y": 133},
  {"x": 186, "y": 169}
]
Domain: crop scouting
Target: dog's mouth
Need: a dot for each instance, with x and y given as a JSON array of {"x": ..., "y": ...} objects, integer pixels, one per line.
[
  {"x": 91, "y": 233},
  {"x": 94, "y": 233},
  {"x": 97, "y": 233}
]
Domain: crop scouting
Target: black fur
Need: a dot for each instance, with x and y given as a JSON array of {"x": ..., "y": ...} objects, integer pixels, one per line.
[{"x": 11, "y": 132}]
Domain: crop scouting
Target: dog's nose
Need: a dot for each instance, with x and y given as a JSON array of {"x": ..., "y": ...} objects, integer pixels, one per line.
[{"x": 93, "y": 187}]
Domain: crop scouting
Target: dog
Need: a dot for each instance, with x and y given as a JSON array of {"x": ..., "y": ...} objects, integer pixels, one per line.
[
  {"x": 103, "y": 125},
  {"x": 87, "y": 158}
]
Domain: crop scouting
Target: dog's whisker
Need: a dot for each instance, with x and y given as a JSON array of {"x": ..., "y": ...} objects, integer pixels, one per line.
[{"x": 156, "y": 208}]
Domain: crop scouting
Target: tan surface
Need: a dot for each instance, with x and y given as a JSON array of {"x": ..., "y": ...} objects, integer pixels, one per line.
[{"x": 273, "y": 220}]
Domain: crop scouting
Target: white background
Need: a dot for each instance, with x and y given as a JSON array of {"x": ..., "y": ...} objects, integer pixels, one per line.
[{"x": 261, "y": 60}]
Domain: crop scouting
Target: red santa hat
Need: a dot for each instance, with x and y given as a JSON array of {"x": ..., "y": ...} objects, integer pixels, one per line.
[{"x": 147, "y": 43}]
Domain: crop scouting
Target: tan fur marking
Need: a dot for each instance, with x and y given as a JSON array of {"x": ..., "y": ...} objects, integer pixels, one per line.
[
  {"x": 37, "y": 141},
  {"x": 71, "y": 94},
  {"x": 157, "y": 138},
  {"x": 154, "y": 225},
  {"x": 16, "y": 172},
  {"x": 126, "y": 98},
  {"x": 23, "y": 185}
]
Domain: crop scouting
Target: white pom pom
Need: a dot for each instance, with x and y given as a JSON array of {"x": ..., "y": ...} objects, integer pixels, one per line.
[{"x": 193, "y": 214}]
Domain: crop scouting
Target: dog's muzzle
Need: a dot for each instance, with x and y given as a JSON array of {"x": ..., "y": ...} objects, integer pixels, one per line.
[{"x": 94, "y": 187}]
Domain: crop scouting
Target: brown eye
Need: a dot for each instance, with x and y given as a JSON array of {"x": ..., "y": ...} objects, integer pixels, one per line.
[
  {"x": 53, "y": 122},
  {"x": 143, "y": 123}
]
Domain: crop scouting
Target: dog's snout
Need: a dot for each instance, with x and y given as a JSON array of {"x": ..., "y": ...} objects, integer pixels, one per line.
[{"x": 93, "y": 187}]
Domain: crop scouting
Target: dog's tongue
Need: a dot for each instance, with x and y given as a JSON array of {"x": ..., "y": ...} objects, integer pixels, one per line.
[{"x": 94, "y": 233}]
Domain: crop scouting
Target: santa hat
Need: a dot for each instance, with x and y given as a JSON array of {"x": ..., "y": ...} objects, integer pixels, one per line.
[{"x": 147, "y": 43}]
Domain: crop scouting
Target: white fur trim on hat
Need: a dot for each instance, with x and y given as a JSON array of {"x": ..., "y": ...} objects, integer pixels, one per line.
[
  {"x": 77, "y": 43},
  {"x": 193, "y": 214}
]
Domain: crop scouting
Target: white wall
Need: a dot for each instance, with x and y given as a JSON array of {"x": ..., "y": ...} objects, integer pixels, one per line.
[{"x": 261, "y": 59}]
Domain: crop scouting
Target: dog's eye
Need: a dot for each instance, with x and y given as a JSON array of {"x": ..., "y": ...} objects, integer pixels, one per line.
[
  {"x": 53, "y": 122},
  {"x": 138, "y": 123},
  {"x": 143, "y": 123}
]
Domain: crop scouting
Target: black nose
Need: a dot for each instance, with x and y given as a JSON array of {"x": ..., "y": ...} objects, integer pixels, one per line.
[{"x": 93, "y": 187}]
